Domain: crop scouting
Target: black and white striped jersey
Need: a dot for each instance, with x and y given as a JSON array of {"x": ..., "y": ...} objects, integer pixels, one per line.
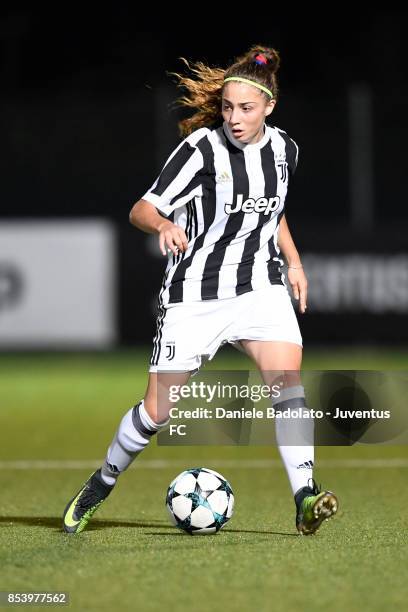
[{"x": 229, "y": 197}]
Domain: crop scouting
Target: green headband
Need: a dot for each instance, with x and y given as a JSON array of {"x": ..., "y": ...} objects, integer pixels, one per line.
[{"x": 254, "y": 83}]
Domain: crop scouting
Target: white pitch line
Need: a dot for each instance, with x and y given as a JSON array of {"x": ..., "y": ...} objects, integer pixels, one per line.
[{"x": 154, "y": 464}]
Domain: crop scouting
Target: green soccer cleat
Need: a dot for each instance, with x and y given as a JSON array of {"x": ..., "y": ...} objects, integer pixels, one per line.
[
  {"x": 82, "y": 507},
  {"x": 313, "y": 506}
]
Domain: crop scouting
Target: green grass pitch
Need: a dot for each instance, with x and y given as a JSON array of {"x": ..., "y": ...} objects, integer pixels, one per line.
[{"x": 57, "y": 416}]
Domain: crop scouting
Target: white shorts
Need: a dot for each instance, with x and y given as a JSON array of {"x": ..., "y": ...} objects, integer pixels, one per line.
[{"x": 189, "y": 334}]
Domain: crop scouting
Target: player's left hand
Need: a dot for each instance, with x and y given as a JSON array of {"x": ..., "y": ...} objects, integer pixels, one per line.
[{"x": 298, "y": 282}]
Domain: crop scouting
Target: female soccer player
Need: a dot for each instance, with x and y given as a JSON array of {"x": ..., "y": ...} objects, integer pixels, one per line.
[{"x": 218, "y": 211}]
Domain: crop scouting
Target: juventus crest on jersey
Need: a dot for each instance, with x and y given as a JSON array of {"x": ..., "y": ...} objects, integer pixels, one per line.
[{"x": 229, "y": 198}]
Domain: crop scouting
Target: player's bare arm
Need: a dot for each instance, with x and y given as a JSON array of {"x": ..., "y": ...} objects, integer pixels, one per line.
[
  {"x": 145, "y": 217},
  {"x": 296, "y": 275}
]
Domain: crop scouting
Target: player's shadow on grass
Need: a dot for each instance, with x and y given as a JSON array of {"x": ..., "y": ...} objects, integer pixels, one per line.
[
  {"x": 280, "y": 533},
  {"x": 53, "y": 522},
  {"x": 102, "y": 524}
]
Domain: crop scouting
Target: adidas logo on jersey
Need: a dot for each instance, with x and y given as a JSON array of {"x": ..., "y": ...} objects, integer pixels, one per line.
[
  {"x": 224, "y": 177},
  {"x": 260, "y": 205}
]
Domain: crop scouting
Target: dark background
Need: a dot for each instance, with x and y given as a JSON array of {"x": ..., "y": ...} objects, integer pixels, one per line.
[{"x": 86, "y": 121}]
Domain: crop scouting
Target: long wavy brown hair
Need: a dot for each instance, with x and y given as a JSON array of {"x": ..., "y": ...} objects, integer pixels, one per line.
[{"x": 203, "y": 87}]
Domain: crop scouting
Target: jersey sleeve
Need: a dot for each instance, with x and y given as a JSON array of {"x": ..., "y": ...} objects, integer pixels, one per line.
[
  {"x": 291, "y": 151},
  {"x": 180, "y": 178},
  {"x": 292, "y": 155}
]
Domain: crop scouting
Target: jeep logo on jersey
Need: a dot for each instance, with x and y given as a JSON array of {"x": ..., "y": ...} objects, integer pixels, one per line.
[{"x": 260, "y": 205}]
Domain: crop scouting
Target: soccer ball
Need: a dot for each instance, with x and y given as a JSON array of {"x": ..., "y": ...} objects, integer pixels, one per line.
[{"x": 199, "y": 501}]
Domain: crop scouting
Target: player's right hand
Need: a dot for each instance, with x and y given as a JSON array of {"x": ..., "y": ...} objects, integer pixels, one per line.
[{"x": 172, "y": 238}]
